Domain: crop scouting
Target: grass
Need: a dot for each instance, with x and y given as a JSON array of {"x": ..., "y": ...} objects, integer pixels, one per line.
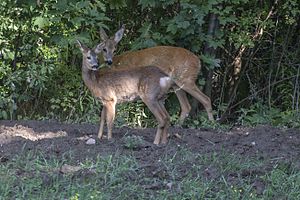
[{"x": 180, "y": 175}]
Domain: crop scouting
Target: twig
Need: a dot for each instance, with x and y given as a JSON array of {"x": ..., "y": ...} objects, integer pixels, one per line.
[{"x": 264, "y": 88}]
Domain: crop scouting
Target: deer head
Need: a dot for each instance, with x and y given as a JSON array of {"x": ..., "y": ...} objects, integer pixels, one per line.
[
  {"x": 90, "y": 56},
  {"x": 109, "y": 44}
]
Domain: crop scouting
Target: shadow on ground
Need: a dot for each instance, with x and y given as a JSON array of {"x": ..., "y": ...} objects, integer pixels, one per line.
[{"x": 264, "y": 142}]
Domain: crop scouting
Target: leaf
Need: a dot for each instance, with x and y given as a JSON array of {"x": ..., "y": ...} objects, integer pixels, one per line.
[
  {"x": 41, "y": 22},
  {"x": 82, "y": 4},
  {"x": 216, "y": 62},
  {"x": 210, "y": 61},
  {"x": 61, "y": 5},
  {"x": 172, "y": 28},
  {"x": 143, "y": 43},
  {"x": 147, "y": 3},
  {"x": 77, "y": 21},
  {"x": 227, "y": 20},
  {"x": 117, "y": 4},
  {"x": 4, "y": 114},
  {"x": 156, "y": 36},
  {"x": 201, "y": 81},
  {"x": 145, "y": 30},
  {"x": 200, "y": 21},
  {"x": 215, "y": 43},
  {"x": 94, "y": 12},
  {"x": 184, "y": 24}
]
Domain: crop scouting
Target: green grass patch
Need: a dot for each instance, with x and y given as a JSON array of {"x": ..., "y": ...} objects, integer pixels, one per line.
[{"x": 181, "y": 174}]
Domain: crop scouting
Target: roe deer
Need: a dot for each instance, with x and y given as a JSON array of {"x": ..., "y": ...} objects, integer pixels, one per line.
[
  {"x": 109, "y": 44},
  {"x": 177, "y": 62},
  {"x": 112, "y": 86}
]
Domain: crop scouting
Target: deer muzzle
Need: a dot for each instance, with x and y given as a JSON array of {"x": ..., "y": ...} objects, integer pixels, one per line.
[
  {"x": 109, "y": 62},
  {"x": 95, "y": 67}
]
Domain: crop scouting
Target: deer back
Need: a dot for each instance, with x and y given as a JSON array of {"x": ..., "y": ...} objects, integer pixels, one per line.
[
  {"x": 174, "y": 61},
  {"x": 125, "y": 84}
]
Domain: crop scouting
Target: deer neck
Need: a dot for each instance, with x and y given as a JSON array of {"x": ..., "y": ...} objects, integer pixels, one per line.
[{"x": 89, "y": 78}]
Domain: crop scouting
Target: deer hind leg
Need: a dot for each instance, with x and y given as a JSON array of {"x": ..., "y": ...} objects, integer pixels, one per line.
[
  {"x": 193, "y": 90},
  {"x": 166, "y": 118},
  {"x": 110, "y": 117},
  {"x": 102, "y": 120},
  {"x": 155, "y": 108},
  {"x": 184, "y": 104}
]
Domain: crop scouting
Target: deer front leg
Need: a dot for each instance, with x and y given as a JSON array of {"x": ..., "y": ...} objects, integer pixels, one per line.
[
  {"x": 110, "y": 117},
  {"x": 102, "y": 120}
]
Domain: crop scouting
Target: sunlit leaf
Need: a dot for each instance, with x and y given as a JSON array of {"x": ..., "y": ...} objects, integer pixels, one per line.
[{"x": 41, "y": 22}]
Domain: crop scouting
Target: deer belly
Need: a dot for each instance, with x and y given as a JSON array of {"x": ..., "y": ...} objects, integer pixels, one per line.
[{"x": 128, "y": 97}]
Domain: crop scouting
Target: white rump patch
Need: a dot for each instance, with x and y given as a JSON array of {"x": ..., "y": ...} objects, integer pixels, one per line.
[{"x": 165, "y": 81}]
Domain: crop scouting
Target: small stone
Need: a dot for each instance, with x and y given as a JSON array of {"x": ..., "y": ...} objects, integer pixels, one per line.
[
  {"x": 169, "y": 185},
  {"x": 66, "y": 169},
  {"x": 178, "y": 136},
  {"x": 91, "y": 141}
]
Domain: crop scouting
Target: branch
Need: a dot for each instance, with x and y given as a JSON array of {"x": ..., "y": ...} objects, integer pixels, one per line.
[
  {"x": 259, "y": 31},
  {"x": 222, "y": 119}
]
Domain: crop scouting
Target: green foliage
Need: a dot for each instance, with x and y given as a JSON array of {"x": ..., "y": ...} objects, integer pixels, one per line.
[
  {"x": 290, "y": 10},
  {"x": 260, "y": 114},
  {"x": 211, "y": 61},
  {"x": 135, "y": 114},
  {"x": 35, "y": 72},
  {"x": 186, "y": 25},
  {"x": 257, "y": 114},
  {"x": 146, "y": 39},
  {"x": 133, "y": 142},
  {"x": 201, "y": 121},
  {"x": 40, "y": 65},
  {"x": 71, "y": 100}
]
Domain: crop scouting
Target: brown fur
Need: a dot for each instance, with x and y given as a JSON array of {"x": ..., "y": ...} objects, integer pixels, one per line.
[{"x": 177, "y": 62}]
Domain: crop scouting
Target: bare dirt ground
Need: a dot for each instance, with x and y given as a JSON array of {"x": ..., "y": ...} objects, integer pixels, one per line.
[{"x": 262, "y": 142}]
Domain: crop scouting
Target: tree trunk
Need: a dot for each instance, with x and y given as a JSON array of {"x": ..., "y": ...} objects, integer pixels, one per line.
[
  {"x": 237, "y": 65},
  {"x": 212, "y": 27}
]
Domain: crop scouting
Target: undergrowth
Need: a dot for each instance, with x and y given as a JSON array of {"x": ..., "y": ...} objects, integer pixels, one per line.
[{"x": 261, "y": 114}]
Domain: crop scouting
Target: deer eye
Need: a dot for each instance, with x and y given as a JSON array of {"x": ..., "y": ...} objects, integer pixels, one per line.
[
  {"x": 89, "y": 57},
  {"x": 104, "y": 50}
]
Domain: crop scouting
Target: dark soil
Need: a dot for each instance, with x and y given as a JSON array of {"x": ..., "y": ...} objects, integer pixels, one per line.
[{"x": 54, "y": 138}]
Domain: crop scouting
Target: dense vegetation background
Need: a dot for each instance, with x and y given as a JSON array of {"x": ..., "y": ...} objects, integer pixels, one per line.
[{"x": 250, "y": 52}]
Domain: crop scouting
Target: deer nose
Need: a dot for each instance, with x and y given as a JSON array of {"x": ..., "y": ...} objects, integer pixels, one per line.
[
  {"x": 95, "y": 67},
  {"x": 109, "y": 62}
]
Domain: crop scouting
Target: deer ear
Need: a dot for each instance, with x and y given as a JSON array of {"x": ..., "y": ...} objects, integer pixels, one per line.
[
  {"x": 119, "y": 34},
  {"x": 81, "y": 46},
  {"x": 103, "y": 34},
  {"x": 99, "y": 47}
]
